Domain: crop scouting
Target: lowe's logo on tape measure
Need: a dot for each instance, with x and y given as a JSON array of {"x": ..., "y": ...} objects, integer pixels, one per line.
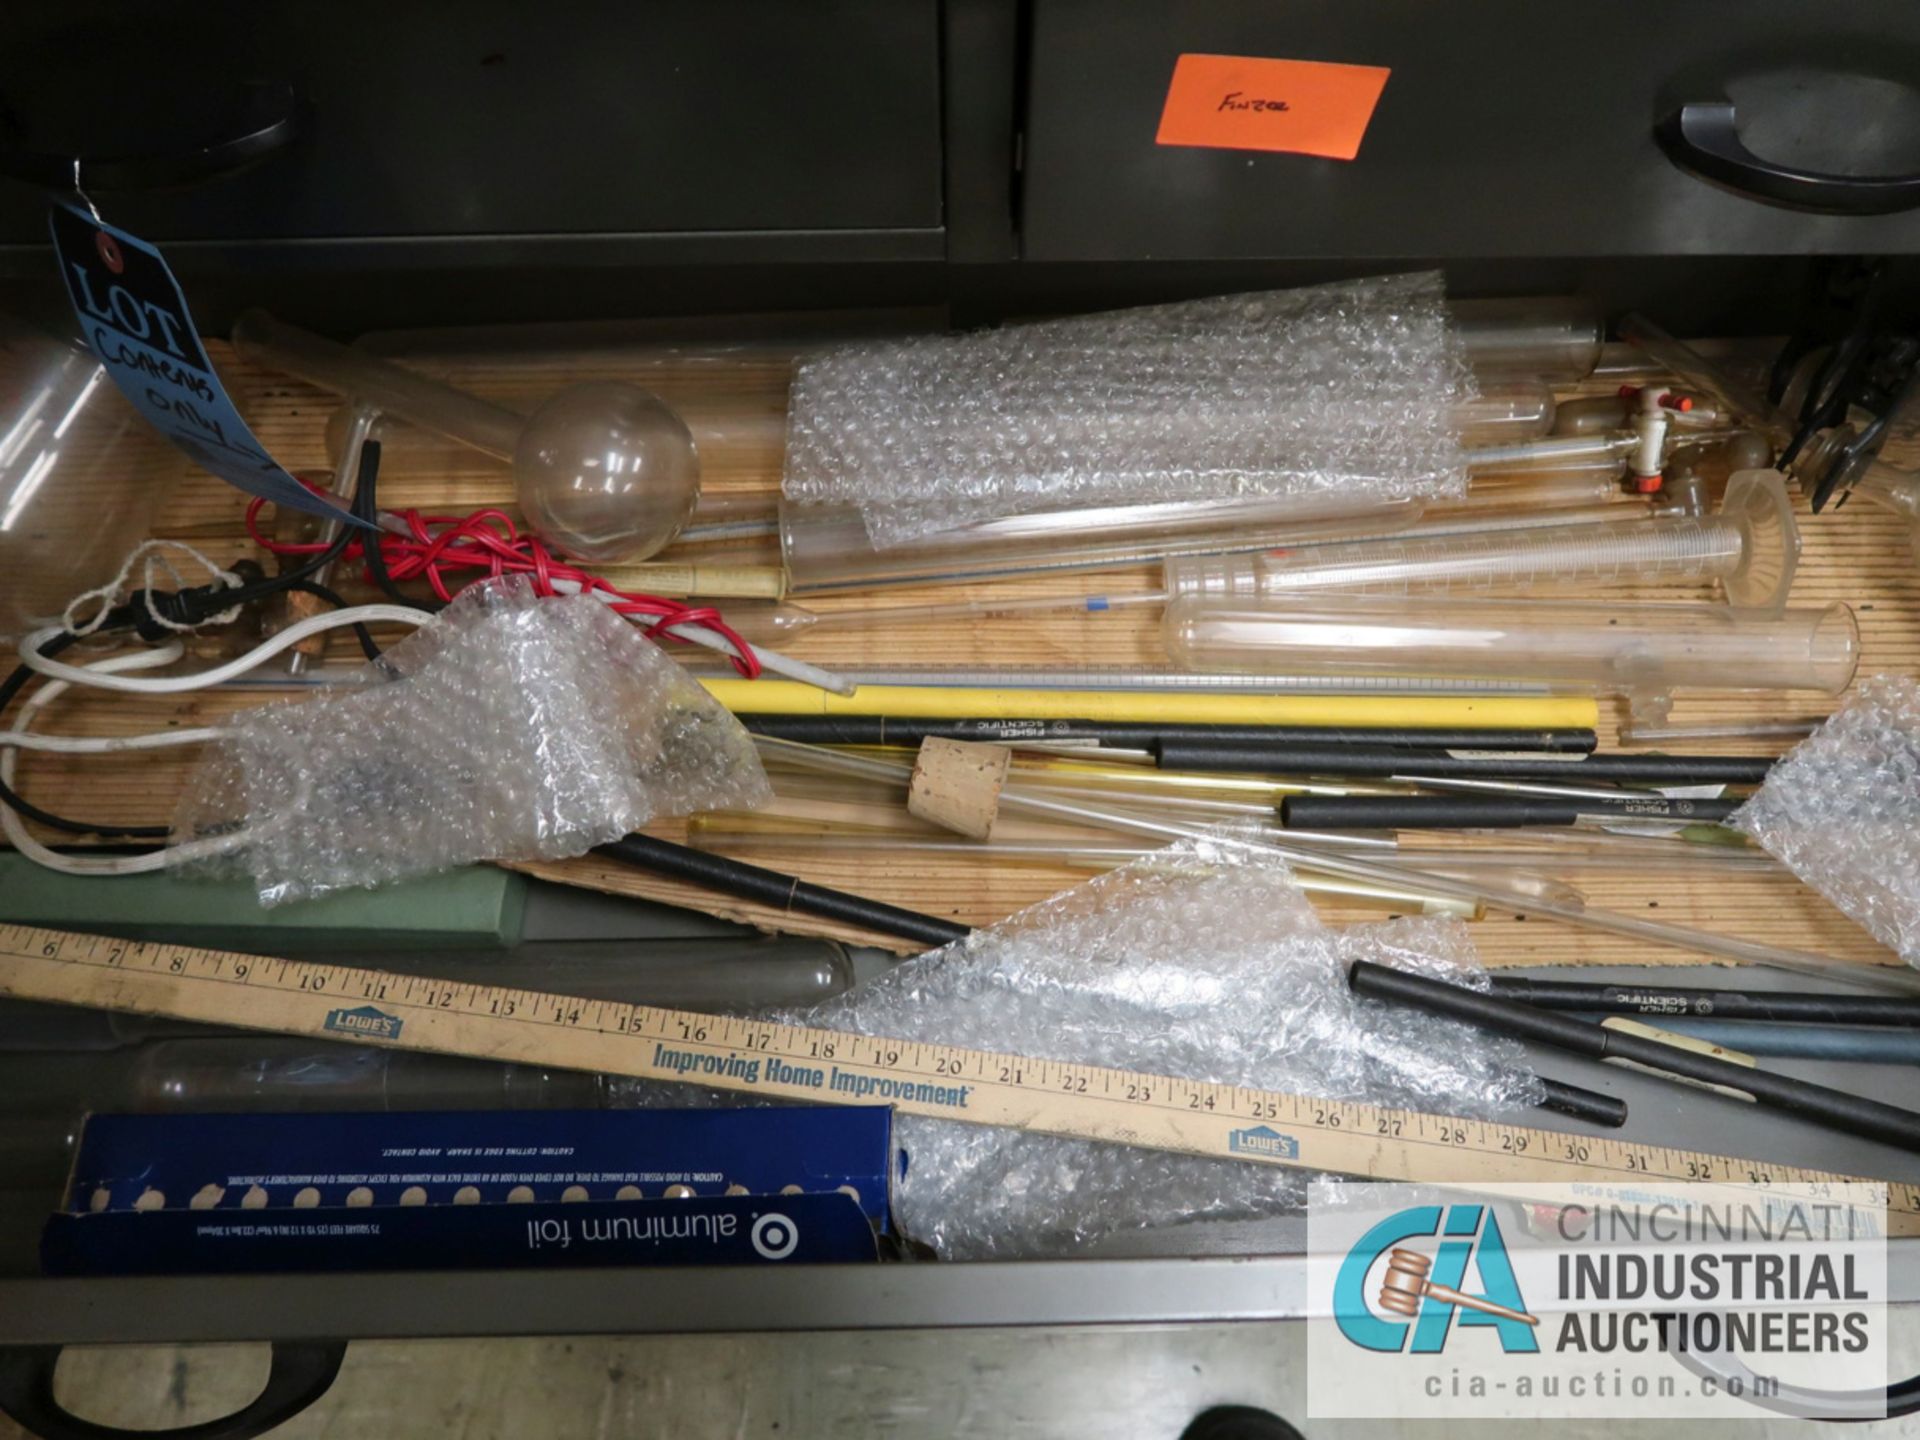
[
  {"x": 1263, "y": 1140},
  {"x": 366, "y": 1022}
]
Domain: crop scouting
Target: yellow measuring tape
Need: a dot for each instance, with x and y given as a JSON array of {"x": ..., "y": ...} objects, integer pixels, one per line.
[{"x": 830, "y": 1067}]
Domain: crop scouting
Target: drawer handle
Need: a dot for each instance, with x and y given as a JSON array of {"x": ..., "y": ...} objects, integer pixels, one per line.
[
  {"x": 1701, "y": 137},
  {"x": 300, "y": 1375},
  {"x": 270, "y": 117}
]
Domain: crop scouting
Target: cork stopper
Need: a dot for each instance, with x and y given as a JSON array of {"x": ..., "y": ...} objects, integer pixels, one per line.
[{"x": 956, "y": 784}]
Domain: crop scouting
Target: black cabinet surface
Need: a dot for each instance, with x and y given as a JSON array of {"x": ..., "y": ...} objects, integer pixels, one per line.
[
  {"x": 1507, "y": 129},
  {"x": 497, "y": 118}
]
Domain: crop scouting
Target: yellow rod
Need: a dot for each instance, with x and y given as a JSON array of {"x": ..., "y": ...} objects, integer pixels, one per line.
[
  {"x": 707, "y": 579},
  {"x": 1518, "y": 712}
]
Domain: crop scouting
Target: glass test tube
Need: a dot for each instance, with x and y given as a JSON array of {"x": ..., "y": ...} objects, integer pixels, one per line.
[
  {"x": 1555, "y": 337},
  {"x": 1610, "y": 648},
  {"x": 1089, "y": 856},
  {"x": 1512, "y": 407},
  {"x": 1751, "y": 548},
  {"x": 1540, "y": 490},
  {"x": 1604, "y": 453}
]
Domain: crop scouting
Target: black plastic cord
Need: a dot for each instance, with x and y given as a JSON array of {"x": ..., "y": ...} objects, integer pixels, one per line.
[
  {"x": 194, "y": 606},
  {"x": 368, "y": 646},
  {"x": 10, "y": 689},
  {"x": 366, "y": 505},
  {"x": 199, "y": 603},
  {"x": 124, "y": 617}
]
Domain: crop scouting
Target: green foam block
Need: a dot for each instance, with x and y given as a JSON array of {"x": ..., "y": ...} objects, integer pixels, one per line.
[{"x": 477, "y": 906}]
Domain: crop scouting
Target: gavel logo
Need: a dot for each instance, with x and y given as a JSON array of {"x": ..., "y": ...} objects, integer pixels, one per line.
[{"x": 1406, "y": 1282}]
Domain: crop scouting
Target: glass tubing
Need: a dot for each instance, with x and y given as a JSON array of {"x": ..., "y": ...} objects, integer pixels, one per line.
[{"x": 1377, "y": 872}]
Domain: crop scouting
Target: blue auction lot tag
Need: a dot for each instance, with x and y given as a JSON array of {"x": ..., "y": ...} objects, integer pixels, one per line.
[{"x": 135, "y": 320}]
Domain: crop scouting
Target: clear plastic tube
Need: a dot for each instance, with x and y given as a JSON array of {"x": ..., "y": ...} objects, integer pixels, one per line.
[
  {"x": 1751, "y": 548},
  {"x": 1610, "y": 648},
  {"x": 1508, "y": 899},
  {"x": 825, "y": 547},
  {"x": 1556, "y": 337},
  {"x": 388, "y": 388}
]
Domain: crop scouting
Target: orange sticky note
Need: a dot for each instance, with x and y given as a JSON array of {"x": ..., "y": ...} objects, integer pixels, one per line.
[{"x": 1243, "y": 102}]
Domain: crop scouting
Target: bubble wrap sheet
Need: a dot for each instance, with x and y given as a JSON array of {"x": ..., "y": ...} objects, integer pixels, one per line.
[
  {"x": 510, "y": 728},
  {"x": 1842, "y": 811},
  {"x": 1346, "y": 388},
  {"x": 1203, "y": 961}
]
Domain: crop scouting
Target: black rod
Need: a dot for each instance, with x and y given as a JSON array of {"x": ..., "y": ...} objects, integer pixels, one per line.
[
  {"x": 1837, "y": 1110},
  {"x": 784, "y": 892},
  {"x": 1474, "y": 812},
  {"x": 1178, "y": 753},
  {"x": 1583, "y": 1104},
  {"x": 1141, "y": 735},
  {"x": 1676, "y": 1002}
]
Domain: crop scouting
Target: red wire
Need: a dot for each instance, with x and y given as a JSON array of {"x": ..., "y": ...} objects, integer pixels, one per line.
[{"x": 488, "y": 541}]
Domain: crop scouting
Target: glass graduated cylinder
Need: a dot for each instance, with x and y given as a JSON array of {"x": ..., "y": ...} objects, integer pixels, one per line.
[
  {"x": 1612, "y": 648},
  {"x": 1678, "y": 550},
  {"x": 1751, "y": 547}
]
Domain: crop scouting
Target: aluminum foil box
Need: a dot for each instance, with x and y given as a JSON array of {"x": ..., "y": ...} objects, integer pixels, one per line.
[{"x": 177, "y": 1194}]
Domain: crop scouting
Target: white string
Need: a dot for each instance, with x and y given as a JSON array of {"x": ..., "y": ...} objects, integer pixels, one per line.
[{"x": 154, "y": 555}]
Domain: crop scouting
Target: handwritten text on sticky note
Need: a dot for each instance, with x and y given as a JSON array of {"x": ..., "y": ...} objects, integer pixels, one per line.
[{"x": 1243, "y": 102}]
